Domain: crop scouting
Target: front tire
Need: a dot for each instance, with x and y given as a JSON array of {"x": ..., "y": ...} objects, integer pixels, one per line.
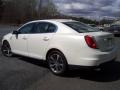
[
  {"x": 6, "y": 49},
  {"x": 57, "y": 62}
]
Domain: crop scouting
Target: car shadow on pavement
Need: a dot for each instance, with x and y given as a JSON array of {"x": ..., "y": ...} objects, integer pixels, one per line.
[
  {"x": 109, "y": 73},
  {"x": 40, "y": 63}
]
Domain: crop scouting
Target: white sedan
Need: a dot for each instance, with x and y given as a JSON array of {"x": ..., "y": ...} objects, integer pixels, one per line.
[{"x": 61, "y": 42}]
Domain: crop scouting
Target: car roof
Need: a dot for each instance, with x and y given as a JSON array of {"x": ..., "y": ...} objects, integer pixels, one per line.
[{"x": 54, "y": 20}]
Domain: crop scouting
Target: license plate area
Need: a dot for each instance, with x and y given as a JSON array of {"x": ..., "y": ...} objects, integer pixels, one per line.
[{"x": 109, "y": 43}]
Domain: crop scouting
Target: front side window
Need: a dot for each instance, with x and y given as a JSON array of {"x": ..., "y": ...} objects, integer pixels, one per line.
[
  {"x": 81, "y": 27},
  {"x": 26, "y": 29}
]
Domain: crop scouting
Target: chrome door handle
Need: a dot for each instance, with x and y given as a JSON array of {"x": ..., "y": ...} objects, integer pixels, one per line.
[
  {"x": 45, "y": 39},
  {"x": 24, "y": 38}
]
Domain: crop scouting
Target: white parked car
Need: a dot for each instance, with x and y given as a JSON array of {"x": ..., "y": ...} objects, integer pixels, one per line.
[{"x": 61, "y": 43}]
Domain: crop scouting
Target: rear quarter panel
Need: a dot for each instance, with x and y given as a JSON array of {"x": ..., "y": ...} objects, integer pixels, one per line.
[{"x": 71, "y": 45}]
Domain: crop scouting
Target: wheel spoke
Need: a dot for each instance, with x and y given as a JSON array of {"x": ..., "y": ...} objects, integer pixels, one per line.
[
  {"x": 52, "y": 58},
  {"x": 57, "y": 57},
  {"x": 8, "y": 52},
  {"x": 4, "y": 50},
  {"x": 60, "y": 68},
  {"x": 52, "y": 65},
  {"x": 61, "y": 65},
  {"x": 57, "y": 69}
]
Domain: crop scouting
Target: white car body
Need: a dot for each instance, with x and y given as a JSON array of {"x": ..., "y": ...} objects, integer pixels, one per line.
[{"x": 71, "y": 43}]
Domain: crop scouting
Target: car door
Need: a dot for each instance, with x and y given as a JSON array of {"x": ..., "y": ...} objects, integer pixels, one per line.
[
  {"x": 19, "y": 41},
  {"x": 39, "y": 39}
]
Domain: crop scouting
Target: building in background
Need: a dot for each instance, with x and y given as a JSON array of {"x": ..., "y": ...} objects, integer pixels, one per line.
[{"x": 117, "y": 22}]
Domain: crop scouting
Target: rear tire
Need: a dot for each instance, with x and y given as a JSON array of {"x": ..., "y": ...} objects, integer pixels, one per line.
[
  {"x": 57, "y": 62},
  {"x": 6, "y": 49}
]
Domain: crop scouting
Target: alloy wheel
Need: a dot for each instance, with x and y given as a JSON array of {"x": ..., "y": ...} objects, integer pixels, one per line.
[
  {"x": 57, "y": 63},
  {"x": 6, "y": 50}
]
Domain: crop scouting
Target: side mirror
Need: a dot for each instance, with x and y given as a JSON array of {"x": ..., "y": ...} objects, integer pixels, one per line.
[{"x": 15, "y": 32}]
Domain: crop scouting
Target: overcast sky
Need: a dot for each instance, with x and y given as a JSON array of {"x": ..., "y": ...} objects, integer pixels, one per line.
[{"x": 94, "y": 8}]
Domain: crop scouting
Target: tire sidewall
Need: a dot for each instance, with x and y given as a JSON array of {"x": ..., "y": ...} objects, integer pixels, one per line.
[
  {"x": 9, "y": 48},
  {"x": 64, "y": 62}
]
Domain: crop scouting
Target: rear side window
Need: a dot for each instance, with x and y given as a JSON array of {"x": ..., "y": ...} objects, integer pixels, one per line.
[
  {"x": 51, "y": 28},
  {"x": 44, "y": 27},
  {"x": 41, "y": 28}
]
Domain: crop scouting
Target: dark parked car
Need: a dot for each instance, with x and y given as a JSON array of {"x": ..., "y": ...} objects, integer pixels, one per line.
[{"x": 115, "y": 29}]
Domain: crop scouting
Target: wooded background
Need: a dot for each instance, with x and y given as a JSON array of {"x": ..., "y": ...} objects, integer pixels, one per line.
[{"x": 21, "y": 11}]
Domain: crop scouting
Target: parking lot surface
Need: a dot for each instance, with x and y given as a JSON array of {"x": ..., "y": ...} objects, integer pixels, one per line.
[{"x": 21, "y": 73}]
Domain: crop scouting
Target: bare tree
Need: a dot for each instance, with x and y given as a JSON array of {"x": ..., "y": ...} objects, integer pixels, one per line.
[
  {"x": 1, "y": 3},
  {"x": 1, "y": 8},
  {"x": 25, "y": 10},
  {"x": 19, "y": 10},
  {"x": 46, "y": 9}
]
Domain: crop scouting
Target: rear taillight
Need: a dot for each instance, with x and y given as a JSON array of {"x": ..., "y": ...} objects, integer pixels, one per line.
[{"x": 90, "y": 41}]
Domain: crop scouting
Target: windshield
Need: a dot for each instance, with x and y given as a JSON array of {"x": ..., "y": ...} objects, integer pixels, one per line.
[{"x": 81, "y": 27}]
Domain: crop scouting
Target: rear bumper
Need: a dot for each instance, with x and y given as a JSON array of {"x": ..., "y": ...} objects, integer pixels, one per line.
[
  {"x": 91, "y": 67},
  {"x": 104, "y": 58},
  {"x": 94, "y": 59}
]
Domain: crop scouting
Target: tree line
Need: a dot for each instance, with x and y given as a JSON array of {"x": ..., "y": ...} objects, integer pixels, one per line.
[{"x": 21, "y": 11}]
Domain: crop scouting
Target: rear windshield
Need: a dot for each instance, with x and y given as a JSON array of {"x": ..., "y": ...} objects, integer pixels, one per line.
[{"x": 81, "y": 27}]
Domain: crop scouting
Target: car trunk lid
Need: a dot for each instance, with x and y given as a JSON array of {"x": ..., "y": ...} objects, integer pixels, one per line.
[{"x": 104, "y": 40}]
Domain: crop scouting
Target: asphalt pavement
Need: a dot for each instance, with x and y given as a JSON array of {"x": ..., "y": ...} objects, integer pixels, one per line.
[{"x": 21, "y": 73}]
